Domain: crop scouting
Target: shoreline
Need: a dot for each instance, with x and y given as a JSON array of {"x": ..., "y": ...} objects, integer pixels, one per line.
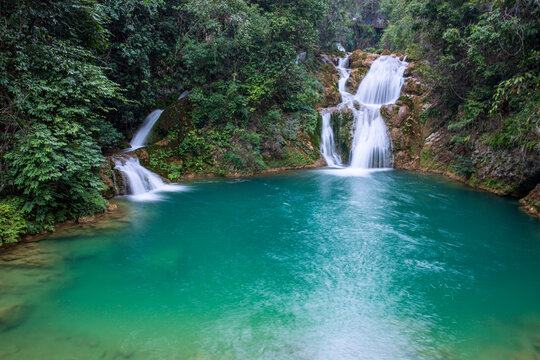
[
  {"x": 318, "y": 164},
  {"x": 113, "y": 207}
]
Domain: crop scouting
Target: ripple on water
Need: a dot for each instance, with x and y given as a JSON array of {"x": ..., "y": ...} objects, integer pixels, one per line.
[{"x": 307, "y": 265}]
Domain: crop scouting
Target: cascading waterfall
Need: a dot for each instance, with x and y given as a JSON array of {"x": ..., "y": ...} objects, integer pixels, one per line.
[
  {"x": 139, "y": 139},
  {"x": 371, "y": 147},
  {"x": 140, "y": 182},
  {"x": 328, "y": 145}
]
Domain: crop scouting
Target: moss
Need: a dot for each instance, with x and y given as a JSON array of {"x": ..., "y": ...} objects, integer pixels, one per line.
[
  {"x": 315, "y": 137},
  {"x": 292, "y": 157},
  {"x": 494, "y": 184},
  {"x": 174, "y": 117},
  {"x": 342, "y": 123}
]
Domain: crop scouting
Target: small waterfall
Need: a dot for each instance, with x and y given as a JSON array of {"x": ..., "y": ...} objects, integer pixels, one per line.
[
  {"x": 382, "y": 84},
  {"x": 371, "y": 146},
  {"x": 139, "y": 139},
  {"x": 141, "y": 182},
  {"x": 183, "y": 95},
  {"x": 328, "y": 145}
]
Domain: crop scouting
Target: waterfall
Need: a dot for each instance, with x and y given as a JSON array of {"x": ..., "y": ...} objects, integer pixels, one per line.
[
  {"x": 183, "y": 95},
  {"x": 141, "y": 182},
  {"x": 328, "y": 145},
  {"x": 371, "y": 146},
  {"x": 139, "y": 139}
]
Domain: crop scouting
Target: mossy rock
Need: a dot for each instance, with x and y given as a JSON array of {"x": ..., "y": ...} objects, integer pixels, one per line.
[
  {"x": 329, "y": 77},
  {"x": 531, "y": 203},
  {"x": 315, "y": 138},
  {"x": 175, "y": 116},
  {"x": 361, "y": 59},
  {"x": 342, "y": 123},
  {"x": 354, "y": 80}
]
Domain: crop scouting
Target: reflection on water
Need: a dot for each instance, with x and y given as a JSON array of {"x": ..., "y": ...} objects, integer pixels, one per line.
[{"x": 307, "y": 265}]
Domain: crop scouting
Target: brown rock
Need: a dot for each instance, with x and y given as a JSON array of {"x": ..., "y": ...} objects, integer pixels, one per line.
[
  {"x": 112, "y": 207},
  {"x": 531, "y": 204},
  {"x": 355, "y": 79},
  {"x": 411, "y": 68},
  {"x": 413, "y": 87},
  {"x": 13, "y": 314},
  {"x": 329, "y": 78},
  {"x": 331, "y": 97},
  {"x": 361, "y": 59},
  {"x": 86, "y": 219}
]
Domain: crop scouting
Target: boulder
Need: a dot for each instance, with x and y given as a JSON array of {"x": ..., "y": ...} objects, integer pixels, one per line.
[
  {"x": 12, "y": 314},
  {"x": 413, "y": 87},
  {"x": 329, "y": 78},
  {"x": 363, "y": 59},
  {"x": 355, "y": 79},
  {"x": 86, "y": 219},
  {"x": 411, "y": 68},
  {"x": 531, "y": 204}
]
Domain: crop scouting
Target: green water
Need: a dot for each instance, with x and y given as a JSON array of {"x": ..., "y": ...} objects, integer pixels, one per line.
[{"x": 306, "y": 265}]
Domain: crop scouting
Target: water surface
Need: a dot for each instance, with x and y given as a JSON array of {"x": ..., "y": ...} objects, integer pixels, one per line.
[{"x": 304, "y": 265}]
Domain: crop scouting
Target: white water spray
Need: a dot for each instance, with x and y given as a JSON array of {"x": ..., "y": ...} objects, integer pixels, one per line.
[
  {"x": 328, "y": 145},
  {"x": 141, "y": 182},
  {"x": 371, "y": 147},
  {"x": 139, "y": 139}
]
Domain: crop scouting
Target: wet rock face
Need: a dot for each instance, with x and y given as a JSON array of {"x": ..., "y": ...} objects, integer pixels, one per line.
[
  {"x": 520, "y": 170},
  {"x": 361, "y": 59},
  {"x": 354, "y": 80},
  {"x": 342, "y": 122},
  {"x": 403, "y": 121},
  {"x": 112, "y": 178},
  {"x": 531, "y": 204},
  {"x": 329, "y": 78},
  {"x": 175, "y": 116}
]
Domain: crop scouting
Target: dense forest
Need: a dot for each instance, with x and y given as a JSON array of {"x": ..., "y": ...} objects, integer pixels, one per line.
[{"x": 77, "y": 77}]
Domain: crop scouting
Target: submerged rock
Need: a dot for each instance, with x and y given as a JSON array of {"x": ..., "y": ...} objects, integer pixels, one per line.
[
  {"x": 13, "y": 314},
  {"x": 86, "y": 219},
  {"x": 28, "y": 256}
]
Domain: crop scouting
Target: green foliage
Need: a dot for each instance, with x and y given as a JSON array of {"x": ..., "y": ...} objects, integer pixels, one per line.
[
  {"x": 520, "y": 130},
  {"x": 55, "y": 168},
  {"x": 55, "y": 97},
  {"x": 77, "y": 76},
  {"x": 12, "y": 222},
  {"x": 482, "y": 61},
  {"x": 464, "y": 167}
]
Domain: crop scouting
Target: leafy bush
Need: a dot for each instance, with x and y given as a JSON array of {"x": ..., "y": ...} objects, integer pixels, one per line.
[
  {"x": 55, "y": 169},
  {"x": 12, "y": 223},
  {"x": 464, "y": 167}
]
